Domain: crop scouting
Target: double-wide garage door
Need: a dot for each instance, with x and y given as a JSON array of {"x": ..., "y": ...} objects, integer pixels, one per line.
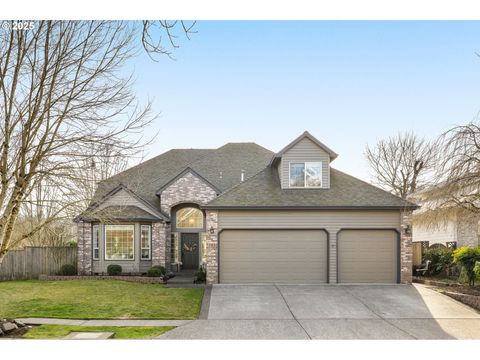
[
  {"x": 301, "y": 256},
  {"x": 264, "y": 256}
]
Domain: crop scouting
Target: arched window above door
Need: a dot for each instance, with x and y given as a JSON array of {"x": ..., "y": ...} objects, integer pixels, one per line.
[{"x": 189, "y": 218}]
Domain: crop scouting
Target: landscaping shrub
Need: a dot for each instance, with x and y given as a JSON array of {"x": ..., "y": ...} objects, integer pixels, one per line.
[
  {"x": 441, "y": 260},
  {"x": 468, "y": 257},
  {"x": 68, "y": 270},
  {"x": 114, "y": 270},
  {"x": 156, "y": 271},
  {"x": 200, "y": 277}
]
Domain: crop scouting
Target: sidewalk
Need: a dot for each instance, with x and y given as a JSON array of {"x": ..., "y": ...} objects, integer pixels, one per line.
[{"x": 48, "y": 321}]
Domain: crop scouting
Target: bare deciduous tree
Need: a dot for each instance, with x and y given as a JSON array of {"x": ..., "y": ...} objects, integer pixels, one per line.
[
  {"x": 154, "y": 44},
  {"x": 64, "y": 94},
  {"x": 401, "y": 163},
  {"x": 459, "y": 171}
]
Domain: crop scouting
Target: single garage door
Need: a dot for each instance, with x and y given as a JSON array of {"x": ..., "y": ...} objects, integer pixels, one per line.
[
  {"x": 267, "y": 256},
  {"x": 367, "y": 256}
]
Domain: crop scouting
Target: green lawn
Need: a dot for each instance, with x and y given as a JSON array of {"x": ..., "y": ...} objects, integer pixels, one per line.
[
  {"x": 97, "y": 299},
  {"x": 121, "y": 332}
]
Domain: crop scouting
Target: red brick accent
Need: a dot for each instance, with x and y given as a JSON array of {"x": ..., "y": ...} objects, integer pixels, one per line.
[
  {"x": 212, "y": 247},
  {"x": 406, "y": 250}
]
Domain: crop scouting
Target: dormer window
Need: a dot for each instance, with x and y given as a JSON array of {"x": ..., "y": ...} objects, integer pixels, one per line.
[{"x": 305, "y": 174}]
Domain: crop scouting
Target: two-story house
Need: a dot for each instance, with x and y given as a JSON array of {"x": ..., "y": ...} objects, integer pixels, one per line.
[{"x": 248, "y": 215}]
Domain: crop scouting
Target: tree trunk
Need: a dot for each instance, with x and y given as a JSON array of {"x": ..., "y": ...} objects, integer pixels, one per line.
[{"x": 3, "y": 253}]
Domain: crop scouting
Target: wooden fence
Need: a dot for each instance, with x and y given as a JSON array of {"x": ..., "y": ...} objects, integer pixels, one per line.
[
  {"x": 33, "y": 261},
  {"x": 417, "y": 253}
]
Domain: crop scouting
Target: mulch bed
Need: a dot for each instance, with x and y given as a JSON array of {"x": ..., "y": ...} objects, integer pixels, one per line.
[
  {"x": 138, "y": 279},
  {"x": 468, "y": 290},
  {"x": 467, "y": 295}
]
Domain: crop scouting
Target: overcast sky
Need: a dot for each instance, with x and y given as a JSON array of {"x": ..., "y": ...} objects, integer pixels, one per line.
[{"x": 348, "y": 83}]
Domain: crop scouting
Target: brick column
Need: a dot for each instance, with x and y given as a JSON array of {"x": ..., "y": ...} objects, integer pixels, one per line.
[
  {"x": 406, "y": 252},
  {"x": 84, "y": 250},
  {"x": 159, "y": 244},
  {"x": 212, "y": 247},
  {"x": 168, "y": 246}
]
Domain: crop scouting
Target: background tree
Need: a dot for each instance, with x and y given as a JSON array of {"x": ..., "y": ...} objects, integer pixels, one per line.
[
  {"x": 65, "y": 101},
  {"x": 401, "y": 164},
  {"x": 459, "y": 171}
]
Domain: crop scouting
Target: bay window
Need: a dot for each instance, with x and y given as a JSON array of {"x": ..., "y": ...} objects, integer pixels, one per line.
[{"x": 119, "y": 242}]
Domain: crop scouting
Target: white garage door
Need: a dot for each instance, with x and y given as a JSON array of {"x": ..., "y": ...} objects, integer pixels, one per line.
[
  {"x": 269, "y": 256},
  {"x": 367, "y": 256}
]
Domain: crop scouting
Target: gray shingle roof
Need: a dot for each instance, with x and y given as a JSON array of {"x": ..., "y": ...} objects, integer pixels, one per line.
[
  {"x": 264, "y": 191},
  {"x": 129, "y": 212},
  {"x": 230, "y": 160},
  {"x": 146, "y": 178},
  {"x": 221, "y": 167}
]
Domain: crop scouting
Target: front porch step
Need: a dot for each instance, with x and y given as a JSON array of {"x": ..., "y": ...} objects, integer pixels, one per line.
[{"x": 184, "y": 278}]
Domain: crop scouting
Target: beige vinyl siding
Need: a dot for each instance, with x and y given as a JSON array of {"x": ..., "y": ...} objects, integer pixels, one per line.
[
  {"x": 123, "y": 198},
  {"x": 273, "y": 256},
  {"x": 305, "y": 151},
  {"x": 367, "y": 256},
  {"x": 330, "y": 220},
  {"x": 128, "y": 266}
]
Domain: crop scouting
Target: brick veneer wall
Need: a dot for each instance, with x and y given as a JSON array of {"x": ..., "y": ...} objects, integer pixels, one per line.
[
  {"x": 84, "y": 241},
  {"x": 212, "y": 247},
  {"x": 161, "y": 244},
  {"x": 406, "y": 250},
  {"x": 188, "y": 188},
  {"x": 467, "y": 232}
]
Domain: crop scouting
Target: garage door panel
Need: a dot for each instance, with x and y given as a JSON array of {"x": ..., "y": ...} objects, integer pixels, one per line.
[
  {"x": 367, "y": 256},
  {"x": 273, "y": 256}
]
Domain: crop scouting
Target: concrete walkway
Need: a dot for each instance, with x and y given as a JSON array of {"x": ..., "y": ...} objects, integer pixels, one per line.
[
  {"x": 48, "y": 321},
  {"x": 331, "y": 312}
]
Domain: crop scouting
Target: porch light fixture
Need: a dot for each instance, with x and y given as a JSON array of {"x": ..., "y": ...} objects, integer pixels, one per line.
[
  {"x": 407, "y": 229},
  {"x": 211, "y": 230}
]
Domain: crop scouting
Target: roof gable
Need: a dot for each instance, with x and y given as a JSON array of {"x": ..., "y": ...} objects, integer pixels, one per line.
[
  {"x": 333, "y": 155},
  {"x": 104, "y": 202},
  {"x": 145, "y": 178},
  {"x": 182, "y": 174}
]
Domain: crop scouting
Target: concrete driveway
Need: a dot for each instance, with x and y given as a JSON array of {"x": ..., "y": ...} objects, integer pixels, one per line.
[{"x": 331, "y": 312}]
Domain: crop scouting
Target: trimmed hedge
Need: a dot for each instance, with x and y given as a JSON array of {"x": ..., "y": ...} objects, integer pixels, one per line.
[
  {"x": 68, "y": 270},
  {"x": 156, "y": 271},
  {"x": 114, "y": 270}
]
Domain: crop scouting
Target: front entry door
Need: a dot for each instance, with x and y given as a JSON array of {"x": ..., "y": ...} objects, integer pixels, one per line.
[{"x": 190, "y": 251}]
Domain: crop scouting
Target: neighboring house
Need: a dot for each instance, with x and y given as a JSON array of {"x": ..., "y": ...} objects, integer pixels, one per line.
[
  {"x": 248, "y": 216},
  {"x": 438, "y": 223}
]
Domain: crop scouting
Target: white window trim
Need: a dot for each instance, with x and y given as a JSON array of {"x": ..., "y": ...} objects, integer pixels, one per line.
[
  {"x": 105, "y": 241},
  {"x": 305, "y": 175},
  {"x": 96, "y": 230},
  {"x": 149, "y": 242}
]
